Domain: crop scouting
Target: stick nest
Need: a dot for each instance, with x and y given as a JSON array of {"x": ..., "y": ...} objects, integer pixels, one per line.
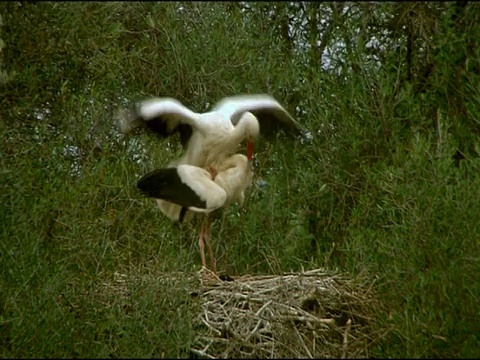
[{"x": 313, "y": 314}]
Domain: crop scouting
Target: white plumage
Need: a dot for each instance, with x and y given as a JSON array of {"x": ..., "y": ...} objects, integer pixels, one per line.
[
  {"x": 208, "y": 176},
  {"x": 215, "y": 134},
  {"x": 209, "y": 137},
  {"x": 199, "y": 190}
]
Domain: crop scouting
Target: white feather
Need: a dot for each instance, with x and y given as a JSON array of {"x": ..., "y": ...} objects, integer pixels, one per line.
[
  {"x": 216, "y": 134},
  {"x": 233, "y": 177}
]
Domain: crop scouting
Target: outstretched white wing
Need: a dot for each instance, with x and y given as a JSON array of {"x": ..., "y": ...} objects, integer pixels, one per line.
[
  {"x": 270, "y": 114},
  {"x": 163, "y": 116}
]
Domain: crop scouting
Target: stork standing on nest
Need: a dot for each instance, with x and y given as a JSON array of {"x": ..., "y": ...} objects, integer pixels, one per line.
[
  {"x": 199, "y": 190},
  {"x": 209, "y": 140}
]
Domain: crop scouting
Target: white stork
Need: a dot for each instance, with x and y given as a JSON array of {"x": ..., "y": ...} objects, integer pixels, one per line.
[
  {"x": 199, "y": 190},
  {"x": 209, "y": 139},
  {"x": 208, "y": 136}
]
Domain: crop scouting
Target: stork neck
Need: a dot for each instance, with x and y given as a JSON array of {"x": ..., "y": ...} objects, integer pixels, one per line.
[{"x": 247, "y": 127}]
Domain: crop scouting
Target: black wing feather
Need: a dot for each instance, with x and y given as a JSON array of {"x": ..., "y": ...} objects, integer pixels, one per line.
[
  {"x": 270, "y": 124},
  {"x": 159, "y": 125},
  {"x": 166, "y": 184}
]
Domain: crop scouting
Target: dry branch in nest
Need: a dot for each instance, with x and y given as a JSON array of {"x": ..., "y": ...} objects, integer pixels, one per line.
[{"x": 312, "y": 314}]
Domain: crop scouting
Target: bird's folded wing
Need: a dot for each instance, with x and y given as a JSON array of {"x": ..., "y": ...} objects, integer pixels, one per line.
[{"x": 186, "y": 185}]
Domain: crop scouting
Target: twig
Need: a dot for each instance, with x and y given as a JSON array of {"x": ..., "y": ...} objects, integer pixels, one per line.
[
  {"x": 218, "y": 332},
  {"x": 268, "y": 290},
  {"x": 345, "y": 338},
  {"x": 303, "y": 342},
  {"x": 263, "y": 308},
  {"x": 312, "y": 319},
  {"x": 254, "y": 329},
  {"x": 201, "y": 353},
  {"x": 207, "y": 346},
  {"x": 227, "y": 330}
]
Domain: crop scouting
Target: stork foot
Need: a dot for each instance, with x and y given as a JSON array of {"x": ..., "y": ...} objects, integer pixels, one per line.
[{"x": 209, "y": 278}]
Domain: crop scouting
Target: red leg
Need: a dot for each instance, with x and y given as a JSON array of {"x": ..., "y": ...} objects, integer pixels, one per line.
[
  {"x": 209, "y": 247},
  {"x": 201, "y": 244}
]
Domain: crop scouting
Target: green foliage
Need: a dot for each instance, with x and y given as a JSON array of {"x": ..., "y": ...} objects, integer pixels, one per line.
[
  {"x": 387, "y": 187},
  {"x": 4, "y": 76}
]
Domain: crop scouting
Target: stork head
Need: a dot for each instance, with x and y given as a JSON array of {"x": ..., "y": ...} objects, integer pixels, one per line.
[{"x": 252, "y": 129}]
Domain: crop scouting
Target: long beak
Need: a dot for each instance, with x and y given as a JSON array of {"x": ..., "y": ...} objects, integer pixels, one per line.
[{"x": 250, "y": 146}]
